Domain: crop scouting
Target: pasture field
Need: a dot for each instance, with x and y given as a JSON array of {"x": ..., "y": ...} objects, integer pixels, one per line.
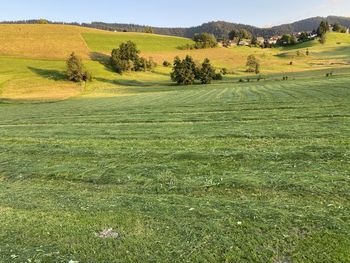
[
  {"x": 228, "y": 172},
  {"x": 252, "y": 172},
  {"x": 106, "y": 41},
  {"x": 58, "y": 41},
  {"x": 42, "y": 41}
]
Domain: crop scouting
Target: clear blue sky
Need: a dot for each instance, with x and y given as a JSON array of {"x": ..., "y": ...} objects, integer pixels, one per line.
[{"x": 173, "y": 13}]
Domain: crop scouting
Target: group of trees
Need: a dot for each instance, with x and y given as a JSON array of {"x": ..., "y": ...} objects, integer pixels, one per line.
[
  {"x": 337, "y": 27},
  {"x": 185, "y": 71},
  {"x": 126, "y": 58},
  {"x": 148, "y": 30},
  {"x": 239, "y": 35},
  {"x": 203, "y": 40},
  {"x": 287, "y": 40}
]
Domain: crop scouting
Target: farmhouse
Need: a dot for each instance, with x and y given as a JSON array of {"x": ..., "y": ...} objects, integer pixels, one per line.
[
  {"x": 273, "y": 40},
  {"x": 260, "y": 40},
  {"x": 243, "y": 43}
]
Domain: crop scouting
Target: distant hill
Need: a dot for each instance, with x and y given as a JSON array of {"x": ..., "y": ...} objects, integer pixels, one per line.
[{"x": 219, "y": 28}]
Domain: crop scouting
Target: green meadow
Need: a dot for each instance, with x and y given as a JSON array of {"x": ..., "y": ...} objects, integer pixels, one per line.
[
  {"x": 105, "y": 42},
  {"x": 227, "y": 172}
]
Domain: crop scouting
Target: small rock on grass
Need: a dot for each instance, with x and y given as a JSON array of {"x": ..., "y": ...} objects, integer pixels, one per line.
[{"x": 108, "y": 233}]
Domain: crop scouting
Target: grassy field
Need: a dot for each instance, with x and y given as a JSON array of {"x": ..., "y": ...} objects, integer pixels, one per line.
[
  {"x": 43, "y": 41},
  {"x": 228, "y": 172},
  {"x": 105, "y": 42},
  {"x": 58, "y": 41}
]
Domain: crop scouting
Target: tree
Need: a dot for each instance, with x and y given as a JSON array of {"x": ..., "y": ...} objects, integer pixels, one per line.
[
  {"x": 184, "y": 71},
  {"x": 323, "y": 28},
  {"x": 166, "y": 63},
  {"x": 148, "y": 30},
  {"x": 43, "y": 21},
  {"x": 254, "y": 41},
  {"x": 233, "y": 34},
  {"x": 239, "y": 35},
  {"x": 303, "y": 37},
  {"x": 126, "y": 58},
  {"x": 287, "y": 40},
  {"x": 205, "y": 40},
  {"x": 75, "y": 69},
  {"x": 207, "y": 72},
  {"x": 322, "y": 31},
  {"x": 253, "y": 64},
  {"x": 225, "y": 42}
]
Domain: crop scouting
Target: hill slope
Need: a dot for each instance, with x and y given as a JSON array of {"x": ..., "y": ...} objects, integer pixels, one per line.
[
  {"x": 106, "y": 41},
  {"x": 222, "y": 28},
  {"x": 42, "y": 41},
  {"x": 58, "y": 41}
]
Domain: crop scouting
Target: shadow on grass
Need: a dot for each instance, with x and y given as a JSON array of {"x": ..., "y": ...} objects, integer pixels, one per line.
[
  {"x": 103, "y": 59},
  {"x": 130, "y": 83},
  {"x": 49, "y": 73}
]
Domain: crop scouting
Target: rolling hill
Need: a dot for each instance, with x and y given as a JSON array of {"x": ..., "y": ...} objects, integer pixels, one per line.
[
  {"x": 41, "y": 50},
  {"x": 218, "y": 28},
  {"x": 222, "y": 28}
]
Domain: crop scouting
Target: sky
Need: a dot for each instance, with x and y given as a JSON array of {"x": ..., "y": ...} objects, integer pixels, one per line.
[{"x": 174, "y": 13}]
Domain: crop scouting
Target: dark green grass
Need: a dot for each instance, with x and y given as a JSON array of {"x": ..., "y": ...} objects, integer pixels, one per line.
[{"x": 254, "y": 172}]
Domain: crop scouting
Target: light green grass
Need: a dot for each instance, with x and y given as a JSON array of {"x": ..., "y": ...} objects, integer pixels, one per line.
[
  {"x": 254, "y": 172},
  {"x": 100, "y": 42}
]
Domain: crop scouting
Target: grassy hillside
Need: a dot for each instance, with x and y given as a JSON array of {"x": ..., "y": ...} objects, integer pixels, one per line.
[
  {"x": 32, "y": 79},
  {"x": 58, "y": 41},
  {"x": 42, "y": 41},
  {"x": 105, "y": 42},
  {"x": 254, "y": 172}
]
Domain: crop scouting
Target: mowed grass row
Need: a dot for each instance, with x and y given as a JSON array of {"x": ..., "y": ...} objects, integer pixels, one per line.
[{"x": 254, "y": 172}]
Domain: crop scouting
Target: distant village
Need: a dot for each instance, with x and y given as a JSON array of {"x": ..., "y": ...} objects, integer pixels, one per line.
[{"x": 277, "y": 39}]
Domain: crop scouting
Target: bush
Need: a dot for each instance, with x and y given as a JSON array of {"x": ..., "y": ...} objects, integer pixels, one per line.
[
  {"x": 253, "y": 64},
  {"x": 166, "y": 63},
  {"x": 150, "y": 64},
  {"x": 75, "y": 69},
  {"x": 218, "y": 76},
  {"x": 224, "y": 71}
]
